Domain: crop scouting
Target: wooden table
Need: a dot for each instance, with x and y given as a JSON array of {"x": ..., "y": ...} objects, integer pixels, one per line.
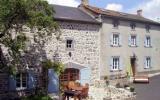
[{"x": 75, "y": 93}]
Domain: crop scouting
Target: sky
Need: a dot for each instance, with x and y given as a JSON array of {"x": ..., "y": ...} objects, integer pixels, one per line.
[{"x": 151, "y": 8}]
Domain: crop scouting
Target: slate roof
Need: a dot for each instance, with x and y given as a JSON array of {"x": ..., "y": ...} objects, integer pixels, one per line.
[
  {"x": 126, "y": 16},
  {"x": 72, "y": 14}
]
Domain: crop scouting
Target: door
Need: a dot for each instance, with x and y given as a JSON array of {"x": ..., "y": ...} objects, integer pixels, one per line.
[{"x": 133, "y": 65}]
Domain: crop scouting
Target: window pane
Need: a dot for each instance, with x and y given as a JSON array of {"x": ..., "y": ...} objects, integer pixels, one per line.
[
  {"x": 69, "y": 43},
  {"x": 24, "y": 79},
  {"x": 18, "y": 80}
]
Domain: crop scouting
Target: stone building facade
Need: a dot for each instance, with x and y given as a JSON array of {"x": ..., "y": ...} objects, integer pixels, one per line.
[{"x": 86, "y": 46}]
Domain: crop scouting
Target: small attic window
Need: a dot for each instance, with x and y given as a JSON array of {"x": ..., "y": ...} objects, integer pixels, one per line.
[
  {"x": 148, "y": 27},
  {"x": 133, "y": 26},
  {"x": 115, "y": 23}
]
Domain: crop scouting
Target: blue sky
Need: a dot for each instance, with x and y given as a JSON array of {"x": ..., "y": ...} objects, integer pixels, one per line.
[{"x": 151, "y": 8}]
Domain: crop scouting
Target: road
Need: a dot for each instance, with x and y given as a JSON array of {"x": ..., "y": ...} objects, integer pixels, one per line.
[{"x": 149, "y": 91}]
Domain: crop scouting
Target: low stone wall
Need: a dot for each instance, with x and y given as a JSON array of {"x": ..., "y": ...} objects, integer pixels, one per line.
[{"x": 3, "y": 84}]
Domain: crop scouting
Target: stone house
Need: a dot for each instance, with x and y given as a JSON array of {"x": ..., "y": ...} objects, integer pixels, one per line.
[
  {"x": 129, "y": 42},
  {"x": 78, "y": 49}
]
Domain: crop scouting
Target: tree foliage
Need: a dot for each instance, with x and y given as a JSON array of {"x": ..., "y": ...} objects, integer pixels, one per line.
[{"x": 14, "y": 15}]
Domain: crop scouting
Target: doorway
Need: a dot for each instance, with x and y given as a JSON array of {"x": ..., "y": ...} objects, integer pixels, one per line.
[{"x": 133, "y": 65}]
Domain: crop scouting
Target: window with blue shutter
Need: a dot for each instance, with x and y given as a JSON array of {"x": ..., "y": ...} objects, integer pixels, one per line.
[
  {"x": 12, "y": 83},
  {"x": 31, "y": 79},
  {"x": 147, "y": 62},
  {"x": 53, "y": 86},
  {"x": 147, "y": 41},
  {"x": 115, "y": 63}
]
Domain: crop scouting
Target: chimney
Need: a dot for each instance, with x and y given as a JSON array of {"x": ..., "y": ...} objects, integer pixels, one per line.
[
  {"x": 85, "y": 2},
  {"x": 139, "y": 12}
]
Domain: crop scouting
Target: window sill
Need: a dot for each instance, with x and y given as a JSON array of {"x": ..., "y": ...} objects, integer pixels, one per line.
[
  {"x": 116, "y": 45},
  {"x": 147, "y": 68},
  {"x": 69, "y": 49},
  {"x": 116, "y": 70},
  {"x": 148, "y": 46},
  {"x": 21, "y": 88},
  {"x": 133, "y": 46}
]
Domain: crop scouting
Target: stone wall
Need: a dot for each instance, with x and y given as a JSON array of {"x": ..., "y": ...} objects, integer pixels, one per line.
[
  {"x": 3, "y": 84},
  {"x": 86, "y": 51}
]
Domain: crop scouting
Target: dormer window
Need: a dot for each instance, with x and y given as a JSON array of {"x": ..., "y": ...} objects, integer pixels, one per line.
[
  {"x": 115, "y": 23},
  {"x": 133, "y": 26},
  {"x": 148, "y": 28}
]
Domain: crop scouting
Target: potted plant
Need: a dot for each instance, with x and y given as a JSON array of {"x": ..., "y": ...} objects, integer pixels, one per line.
[
  {"x": 132, "y": 89},
  {"x": 106, "y": 80}
]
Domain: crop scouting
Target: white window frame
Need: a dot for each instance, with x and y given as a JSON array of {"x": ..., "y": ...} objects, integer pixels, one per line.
[
  {"x": 116, "y": 39},
  {"x": 133, "y": 41},
  {"x": 147, "y": 41},
  {"x": 21, "y": 87},
  {"x": 115, "y": 63},
  {"x": 147, "y": 62}
]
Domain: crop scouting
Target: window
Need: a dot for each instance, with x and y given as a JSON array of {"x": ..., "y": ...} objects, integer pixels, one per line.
[
  {"x": 148, "y": 28},
  {"x": 69, "y": 44},
  {"x": 147, "y": 62},
  {"x": 21, "y": 80},
  {"x": 115, "y": 63},
  {"x": 148, "y": 41},
  {"x": 133, "y": 26},
  {"x": 133, "y": 40},
  {"x": 115, "y": 23},
  {"x": 115, "y": 40}
]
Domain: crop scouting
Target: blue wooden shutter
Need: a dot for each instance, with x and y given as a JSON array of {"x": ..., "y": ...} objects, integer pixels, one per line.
[
  {"x": 121, "y": 63},
  {"x": 145, "y": 41},
  {"x": 85, "y": 74},
  {"x": 111, "y": 64},
  {"x": 145, "y": 62},
  {"x": 31, "y": 79},
  {"x": 53, "y": 86},
  {"x": 111, "y": 39},
  {"x": 12, "y": 83},
  {"x": 129, "y": 40},
  {"x": 137, "y": 40},
  {"x": 120, "y": 40}
]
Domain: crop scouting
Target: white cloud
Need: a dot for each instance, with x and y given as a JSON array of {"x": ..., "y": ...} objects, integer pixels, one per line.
[
  {"x": 71, "y": 3},
  {"x": 151, "y": 9},
  {"x": 114, "y": 6}
]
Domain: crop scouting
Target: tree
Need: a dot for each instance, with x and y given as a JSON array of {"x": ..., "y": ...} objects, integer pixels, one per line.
[{"x": 14, "y": 16}]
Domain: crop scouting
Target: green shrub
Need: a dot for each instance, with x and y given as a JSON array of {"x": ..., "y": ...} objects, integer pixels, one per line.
[
  {"x": 132, "y": 89},
  {"x": 36, "y": 97},
  {"x": 118, "y": 85}
]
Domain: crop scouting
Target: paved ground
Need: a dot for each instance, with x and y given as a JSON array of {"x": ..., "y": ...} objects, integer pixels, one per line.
[{"x": 149, "y": 91}]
